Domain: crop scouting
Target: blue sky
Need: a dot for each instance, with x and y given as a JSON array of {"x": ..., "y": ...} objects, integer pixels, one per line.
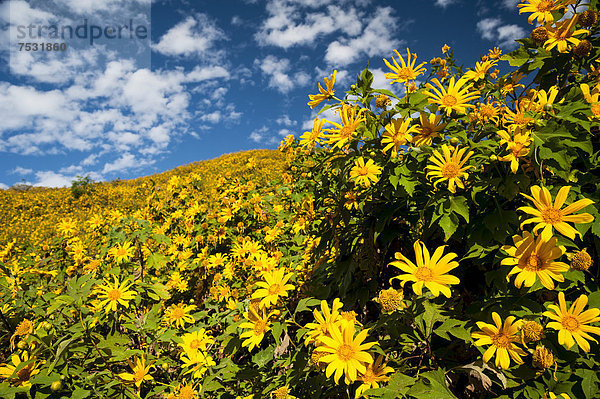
[{"x": 213, "y": 77}]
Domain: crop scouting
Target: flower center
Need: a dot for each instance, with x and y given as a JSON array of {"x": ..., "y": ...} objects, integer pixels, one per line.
[
  {"x": 274, "y": 289},
  {"x": 121, "y": 252},
  {"x": 346, "y": 131},
  {"x": 345, "y": 352},
  {"x": 551, "y": 215},
  {"x": 177, "y": 313},
  {"x": 424, "y": 273},
  {"x": 364, "y": 171},
  {"x": 139, "y": 374},
  {"x": 368, "y": 376},
  {"x": 501, "y": 341},
  {"x": 186, "y": 393},
  {"x": 114, "y": 295},
  {"x": 195, "y": 344},
  {"x": 596, "y": 109},
  {"x": 570, "y": 323},
  {"x": 545, "y": 5},
  {"x": 449, "y": 100},
  {"x": 260, "y": 327},
  {"x": 534, "y": 263},
  {"x": 405, "y": 73},
  {"x": 24, "y": 374},
  {"x": 450, "y": 170},
  {"x": 487, "y": 111}
]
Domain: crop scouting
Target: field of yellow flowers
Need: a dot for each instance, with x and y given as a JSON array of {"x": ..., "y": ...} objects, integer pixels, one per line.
[{"x": 438, "y": 240}]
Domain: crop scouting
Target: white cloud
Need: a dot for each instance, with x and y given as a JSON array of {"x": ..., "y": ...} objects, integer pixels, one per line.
[
  {"x": 445, "y": 3},
  {"x": 285, "y": 121},
  {"x": 125, "y": 162},
  {"x": 502, "y": 35},
  {"x": 52, "y": 179},
  {"x": 510, "y": 4},
  {"x": 22, "y": 171},
  {"x": 193, "y": 36},
  {"x": 3, "y": 186},
  {"x": 278, "y": 72},
  {"x": 376, "y": 39},
  {"x": 288, "y": 25},
  {"x": 259, "y": 135}
]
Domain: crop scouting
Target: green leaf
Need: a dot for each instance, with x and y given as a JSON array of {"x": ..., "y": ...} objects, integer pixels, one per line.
[
  {"x": 448, "y": 223},
  {"x": 432, "y": 384},
  {"x": 589, "y": 384},
  {"x": 454, "y": 327},
  {"x": 459, "y": 206},
  {"x": 306, "y": 304},
  {"x": 80, "y": 393},
  {"x": 263, "y": 357}
]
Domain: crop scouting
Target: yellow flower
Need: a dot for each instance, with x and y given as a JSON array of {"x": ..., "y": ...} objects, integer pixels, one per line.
[
  {"x": 548, "y": 216},
  {"x": 346, "y": 354},
  {"x": 560, "y": 396},
  {"x": 351, "y": 118},
  {"x": 274, "y": 286},
  {"x": 186, "y": 391},
  {"x": 593, "y": 98},
  {"x": 196, "y": 340},
  {"x": 517, "y": 144},
  {"x": 140, "y": 372},
  {"x": 455, "y": 97},
  {"x": 562, "y": 35},
  {"x": 502, "y": 338},
  {"x": 314, "y": 136},
  {"x": 481, "y": 69},
  {"x": 375, "y": 373},
  {"x": 326, "y": 321},
  {"x": 535, "y": 259},
  {"x": 22, "y": 374},
  {"x": 542, "y": 358},
  {"x": 67, "y": 227},
  {"x": 407, "y": 71},
  {"x": 324, "y": 94},
  {"x": 428, "y": 129},
  {"x": 178, "y": 315},
  {"x": 429, "y": 271},
  {"x": 363, "y": 173},
  {"x": 197, "y": 363},
  {"x": 397, "y": 133},
  {"x": 488, "y": 112},
  {"x": 24, "y": 328},
  {"x": 390, "y": 300},
  {"x": 572, "y": 324},
  {"x": 541, "y": 9},
  {"x": 114, "y": 294},
  {"x": 122, "y": 252},
  {"x": 543, "y": 101},
  {"x": 445, "y": 49},
  {"x": 449, "y": 166},
  {"x": 258, "y": 325}
]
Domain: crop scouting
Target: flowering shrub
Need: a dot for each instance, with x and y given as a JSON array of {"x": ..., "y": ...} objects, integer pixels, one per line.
[{"x": 436, "y": 240}]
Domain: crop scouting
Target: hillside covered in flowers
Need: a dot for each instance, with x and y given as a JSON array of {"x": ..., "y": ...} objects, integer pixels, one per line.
[{"x": 436, "y": 240}]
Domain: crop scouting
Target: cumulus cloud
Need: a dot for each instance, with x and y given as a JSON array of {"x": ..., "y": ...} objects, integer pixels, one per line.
[
  {"x": 445, "y": 3},
  {"x": 289, "y": 24},
  {"x": 3, "y": 186},
  {"x": 277, "y": 70},
  {"x": 194, "y": 36},
  {"x": 510, "y": 4},
  {"x": 19, "y": 170},
  {"x": 258, "y": 135},
  {"x": 376, "y": 39},
  {"x": 500, "y": 34}
]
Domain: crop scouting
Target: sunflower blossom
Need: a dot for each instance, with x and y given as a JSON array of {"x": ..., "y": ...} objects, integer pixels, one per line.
[
  {"x": 346, "y": 354},
  {"x": 563, "y": 35},
  {"x": 572, "y": 324},
  {"x": 114, "y": 294},
  {"x": 397, "y": 133},
  {"x": 140, "y": 372},
  {"x": 179, "y": 314},
  {"x": 454, "y": 98},
  {"x": 273, "y": 287},
  {"x": 535, "y": 259},
  {"x": 449, "y": 166},
  {"x": 324, "y": 94},
  {"x": 503, "y": 338},
  {"x": 428, "y": 129},
  {"x": 405, "y": 72},
  {"x": 325, "y": 321},
  {"x": 363, "y": 173},
  {"x": 549, "y": 216},
  {"x": 351, "y": 118},
  {"x": 430, "y": 271},
  {"x": 374, "y": 374},
  {"x": 541, "y": 10},
  {"x": 517, "y": 145}
]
